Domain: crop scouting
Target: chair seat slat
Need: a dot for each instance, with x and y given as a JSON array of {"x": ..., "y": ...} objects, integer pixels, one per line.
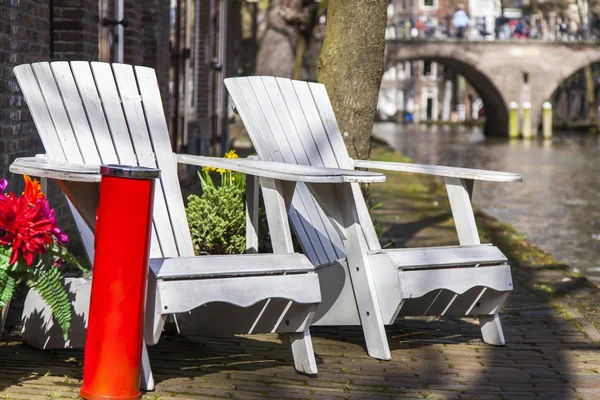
[
  {"x": 442, "y": 257},
  {"x": 229, "y": 265}
]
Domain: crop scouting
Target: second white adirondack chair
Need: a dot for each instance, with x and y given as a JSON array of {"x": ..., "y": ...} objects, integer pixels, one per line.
[
  {"x": 93, "y": 113},
  {"x": 293, "y": 122}
]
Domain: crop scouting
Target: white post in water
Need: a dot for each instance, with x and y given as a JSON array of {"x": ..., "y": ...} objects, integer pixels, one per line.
[
  {"x": 513, "y": 120},
  {"x": 526, "y": 129},
  {"x": 547, "y": 120},
  {"x": 416, "y": 115}
]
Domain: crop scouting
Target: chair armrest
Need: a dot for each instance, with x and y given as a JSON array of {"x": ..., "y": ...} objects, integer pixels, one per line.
[
  {"x": 283, "y": 171},
  {"x": 44, "y": 168},
  {"x": 443, "y": 171}
]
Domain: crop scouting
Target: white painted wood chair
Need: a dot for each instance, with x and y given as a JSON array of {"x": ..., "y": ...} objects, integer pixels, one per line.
[
  {"x": 293, "y": 122},
  {"x": 89, "y": 114}
]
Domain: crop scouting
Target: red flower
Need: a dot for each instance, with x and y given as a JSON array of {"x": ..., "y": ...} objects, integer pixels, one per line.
[
  {"x": 27, "y": 228},
  {"x": 33, "y": 190}
]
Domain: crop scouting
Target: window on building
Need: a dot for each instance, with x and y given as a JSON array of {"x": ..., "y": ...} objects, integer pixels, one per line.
[
  {"x": 429, "y": 4},
  {"x": 390, "y": 32},
  {"x": 427, "y": 68},
  {"x": 400, "y": 100},
  {"x": 400, "y": 69}
]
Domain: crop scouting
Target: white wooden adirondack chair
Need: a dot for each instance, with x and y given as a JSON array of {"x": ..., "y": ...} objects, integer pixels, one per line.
[
  {"x": 89, "y": 114},
  {"x": 293, "y": 122}
]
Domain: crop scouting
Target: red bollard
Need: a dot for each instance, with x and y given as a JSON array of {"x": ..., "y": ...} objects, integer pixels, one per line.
[{"x": 113, "y": 346}]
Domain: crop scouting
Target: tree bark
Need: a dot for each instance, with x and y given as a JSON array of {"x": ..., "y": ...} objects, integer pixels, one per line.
[
  {"x": 351, "y": 67},
  {"x": 278, "y": 46}
]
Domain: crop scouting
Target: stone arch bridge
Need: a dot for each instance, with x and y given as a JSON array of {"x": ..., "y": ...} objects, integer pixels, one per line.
[{"x": 502, "y": 71}]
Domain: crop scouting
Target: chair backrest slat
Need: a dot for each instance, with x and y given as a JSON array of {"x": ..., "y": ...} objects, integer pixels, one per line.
[
  {"x": 325, "y": 111},
  {"x": 113, "y": 112},
  {"x": 122, "y": 141},
  {"x": 74, "y": 107},
  {"x": 305, "y": 148},
  {"x": 246, "y": 104},
  {"x": 273, "y": 132},
  {"x": 270, "y": 109},
  {"x": 283, "y": 114},
  {"x": 102, "y": 116},
  {"x": 49, "y": 90},
  {"x": 134, "y": 113},
  {"x": 52, "y": 141},
  {"x": 165, "y": 159},
  {"x": 302, "y": 130},
  {"x": 315, "y": 127},
  {"x": 94, "y": 111},
  {"x": 39, "y": 111},
  {"x": 294, "y": 121}
]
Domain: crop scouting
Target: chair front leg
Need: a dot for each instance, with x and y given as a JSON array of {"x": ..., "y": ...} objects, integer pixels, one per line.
[
  {"x": 251, "y": 214},
  {"x": 304, "y": 355},
  {"x": 278, "y": 200},
  {"x": 146, "y": 377},
  {"x": 337, "y": 200},
  {"x": 460, "y": 192}
]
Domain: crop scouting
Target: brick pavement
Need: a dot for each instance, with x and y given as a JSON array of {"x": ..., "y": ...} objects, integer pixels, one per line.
[
  {"x": 547, "y": 357},
  {"x": 549, "y": 353}
]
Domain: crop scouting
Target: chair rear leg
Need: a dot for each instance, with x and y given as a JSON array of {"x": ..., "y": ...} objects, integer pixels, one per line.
[
  {"x": 304, "y": 355},
  {"x": 491, "y": 329},
  {"x": 146, "y": 378}
]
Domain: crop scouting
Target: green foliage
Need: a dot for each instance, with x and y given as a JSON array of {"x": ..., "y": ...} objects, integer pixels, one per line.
[
  {"x": 217, "y": 218},
  {"x": 44, "y": 276},
  {"x": 48, "y": 281},
  {"x": 7, "y": 282}
]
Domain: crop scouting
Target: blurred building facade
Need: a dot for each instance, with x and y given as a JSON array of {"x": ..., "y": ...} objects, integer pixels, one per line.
[
  {"x": 423, "y": 89},
  {"x": 190, "y": 43}
]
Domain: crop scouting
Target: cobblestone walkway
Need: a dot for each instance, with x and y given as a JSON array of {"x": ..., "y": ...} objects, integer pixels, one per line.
[{"x": 548, "y": 356}]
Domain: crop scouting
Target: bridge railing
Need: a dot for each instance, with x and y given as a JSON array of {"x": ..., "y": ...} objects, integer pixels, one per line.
[{"x": 441, "y": 33}]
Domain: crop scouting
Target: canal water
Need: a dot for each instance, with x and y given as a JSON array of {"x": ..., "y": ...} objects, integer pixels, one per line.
[{"x": 557, "y": 206}]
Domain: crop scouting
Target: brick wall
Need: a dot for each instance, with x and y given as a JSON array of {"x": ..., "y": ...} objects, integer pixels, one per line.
[
  {"x": 133, "y": 51},
  {"x": 24, "y": 38},
  {"x": 155, "y": 43},
  {"x": 200, "y": 128},
  {"x": 75, "y": 30}
]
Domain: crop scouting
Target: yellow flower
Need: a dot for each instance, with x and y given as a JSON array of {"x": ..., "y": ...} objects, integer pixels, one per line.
[{"x": 231, "y": 154}]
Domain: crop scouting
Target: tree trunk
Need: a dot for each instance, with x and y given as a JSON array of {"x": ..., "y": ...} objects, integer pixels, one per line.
[
  {"x": 351, "y": 67},
  {"x": 278, "y": 45}
]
